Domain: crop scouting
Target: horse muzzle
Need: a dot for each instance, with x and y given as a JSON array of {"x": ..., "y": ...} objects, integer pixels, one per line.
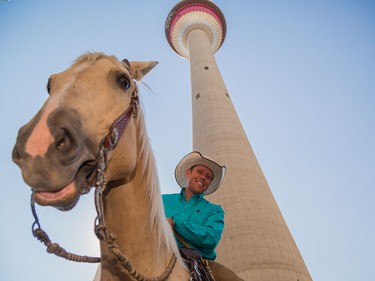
[{"x": 57, "y": 163}]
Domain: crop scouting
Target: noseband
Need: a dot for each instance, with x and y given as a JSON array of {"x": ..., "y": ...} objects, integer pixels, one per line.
[{"x": 107, "y": 144}]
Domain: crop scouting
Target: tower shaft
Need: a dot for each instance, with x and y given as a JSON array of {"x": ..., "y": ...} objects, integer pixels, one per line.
[{"x": 256, "y": 242}]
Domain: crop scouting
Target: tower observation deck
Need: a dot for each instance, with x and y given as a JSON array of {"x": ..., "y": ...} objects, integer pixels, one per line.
[
  {"x": 189, "y": 15},
  {"x": 256, "y": 242}
]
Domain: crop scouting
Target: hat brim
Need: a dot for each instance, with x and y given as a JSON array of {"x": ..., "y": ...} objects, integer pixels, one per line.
[{"x": 195, "y": 158}]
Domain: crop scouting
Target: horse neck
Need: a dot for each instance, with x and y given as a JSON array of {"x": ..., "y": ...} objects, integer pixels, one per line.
[{"x": 133, "y": 211}]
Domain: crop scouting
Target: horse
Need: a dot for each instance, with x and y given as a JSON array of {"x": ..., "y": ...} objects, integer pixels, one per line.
[{"x": 91, "y": 132}]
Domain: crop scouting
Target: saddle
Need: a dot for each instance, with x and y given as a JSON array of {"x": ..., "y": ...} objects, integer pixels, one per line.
[{"x": 197, "y": 265}]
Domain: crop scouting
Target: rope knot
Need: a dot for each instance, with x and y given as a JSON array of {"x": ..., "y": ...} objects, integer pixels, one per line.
[
  {"x": 112, "y": 236},
  {"x": 41, "y": 235},
  {"x": 54, "y": 248},
  {"x": 100, "y": 231}
]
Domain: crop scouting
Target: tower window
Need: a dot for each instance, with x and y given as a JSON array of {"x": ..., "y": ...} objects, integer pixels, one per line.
[
  {"x": 227, "y": 94},
  {"x": 206, "y": 67},
  {"x": 197, "y": 96}
]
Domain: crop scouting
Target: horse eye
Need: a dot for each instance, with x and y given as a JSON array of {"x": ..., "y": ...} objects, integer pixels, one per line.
[{"x": 124, "y": 82}]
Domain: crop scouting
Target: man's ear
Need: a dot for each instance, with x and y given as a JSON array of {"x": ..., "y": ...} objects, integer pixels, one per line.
[{"x": 187, "y": 172}]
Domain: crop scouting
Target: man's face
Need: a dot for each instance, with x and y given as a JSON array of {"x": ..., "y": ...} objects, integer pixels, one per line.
[{"x": 198, "y": 179}]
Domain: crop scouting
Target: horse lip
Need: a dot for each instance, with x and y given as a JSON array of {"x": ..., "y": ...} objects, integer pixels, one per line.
[
  {"x": 52, "y": 198},
  {"x": 66, "y": 197}
]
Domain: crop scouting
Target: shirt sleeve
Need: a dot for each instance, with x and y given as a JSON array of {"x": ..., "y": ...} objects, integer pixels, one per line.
[{"x": 203, "y": 237}]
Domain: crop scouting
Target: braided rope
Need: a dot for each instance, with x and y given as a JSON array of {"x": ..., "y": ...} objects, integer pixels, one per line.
[
  {"x": 54, "y": 248},
  {"x": 101, "y": 231}
]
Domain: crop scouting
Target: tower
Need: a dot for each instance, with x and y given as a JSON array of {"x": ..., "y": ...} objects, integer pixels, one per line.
[{"x": 256, "y": 242}]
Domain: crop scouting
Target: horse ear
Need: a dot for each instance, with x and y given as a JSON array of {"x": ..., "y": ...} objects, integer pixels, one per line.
[{"x": 140, "y": 68}]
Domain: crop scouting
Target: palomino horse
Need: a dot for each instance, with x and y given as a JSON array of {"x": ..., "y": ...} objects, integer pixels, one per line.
[{"x": 90, "y": 132}]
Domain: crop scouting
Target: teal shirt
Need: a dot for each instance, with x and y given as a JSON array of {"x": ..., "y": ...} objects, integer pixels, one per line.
[{"x": 198, "y": 221}]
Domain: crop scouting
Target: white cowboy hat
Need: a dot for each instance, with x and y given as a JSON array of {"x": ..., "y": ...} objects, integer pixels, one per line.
[{"x": 195, "y": 158}]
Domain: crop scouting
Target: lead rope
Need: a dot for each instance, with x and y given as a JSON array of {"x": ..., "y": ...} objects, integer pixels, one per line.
[{"x": 54, "y": 248}]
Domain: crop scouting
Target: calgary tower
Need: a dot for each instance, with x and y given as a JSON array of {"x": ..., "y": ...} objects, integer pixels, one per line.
[{"x": 256, "y": 243}]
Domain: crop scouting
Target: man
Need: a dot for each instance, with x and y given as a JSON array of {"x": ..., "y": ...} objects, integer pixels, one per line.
[{"x": 197, "y": 220}]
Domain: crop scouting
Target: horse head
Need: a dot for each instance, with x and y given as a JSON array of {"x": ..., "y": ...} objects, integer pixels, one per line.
[{"x": 57, "y": 150}]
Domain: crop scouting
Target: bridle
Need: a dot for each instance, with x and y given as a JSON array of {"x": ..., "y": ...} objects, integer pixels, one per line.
[{"x": 107, "y": 144}]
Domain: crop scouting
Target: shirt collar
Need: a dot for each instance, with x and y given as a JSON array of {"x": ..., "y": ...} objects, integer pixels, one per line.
[{"x": 194, "y": 198}]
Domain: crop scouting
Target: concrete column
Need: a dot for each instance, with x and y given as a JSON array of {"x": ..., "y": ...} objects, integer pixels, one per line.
[{"x": 256, "y": 242}]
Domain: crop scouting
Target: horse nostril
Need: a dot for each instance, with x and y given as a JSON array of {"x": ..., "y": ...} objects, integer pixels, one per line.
[
  {"x": 62, "y": 144},
  {"x": 64, "y": 140}
]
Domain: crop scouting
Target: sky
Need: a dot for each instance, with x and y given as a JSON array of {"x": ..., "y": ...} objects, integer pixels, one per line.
[{"x": 301, "y": 75}]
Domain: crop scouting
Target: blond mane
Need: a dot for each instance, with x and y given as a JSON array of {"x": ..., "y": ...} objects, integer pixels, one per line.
[{"x": 157, "y": 220}]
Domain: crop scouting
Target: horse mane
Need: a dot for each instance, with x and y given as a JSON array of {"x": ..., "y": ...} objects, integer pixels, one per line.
[{"x": 157, "y": 221}]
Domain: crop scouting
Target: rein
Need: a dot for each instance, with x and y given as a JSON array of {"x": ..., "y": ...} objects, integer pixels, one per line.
[{"x": 107, "y": 144}]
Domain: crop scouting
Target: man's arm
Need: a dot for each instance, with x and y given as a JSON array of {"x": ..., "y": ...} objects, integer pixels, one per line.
[{"x": 203, "y": 237}]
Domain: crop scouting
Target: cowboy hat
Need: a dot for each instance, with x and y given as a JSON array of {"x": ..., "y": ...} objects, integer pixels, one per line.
[{"x": 195, "y": 158}]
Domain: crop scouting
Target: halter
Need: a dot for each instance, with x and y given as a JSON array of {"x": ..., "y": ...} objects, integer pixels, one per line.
[{"x": 107, "y": 144}]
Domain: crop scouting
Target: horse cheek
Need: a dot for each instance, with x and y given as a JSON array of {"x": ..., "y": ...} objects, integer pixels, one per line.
[{"x": 123, "y": 160}]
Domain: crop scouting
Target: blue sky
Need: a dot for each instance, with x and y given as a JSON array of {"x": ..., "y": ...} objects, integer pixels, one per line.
[{"x": 301, "y": 75}]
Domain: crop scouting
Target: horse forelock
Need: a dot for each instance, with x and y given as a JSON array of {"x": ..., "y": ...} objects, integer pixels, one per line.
[
  {"x": 91, "y": 57},
  {"x": 157, "y": 221}
]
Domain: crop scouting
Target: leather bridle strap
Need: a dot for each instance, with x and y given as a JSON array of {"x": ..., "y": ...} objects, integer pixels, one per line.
[
  {"x": 107, "y": 144},
  {"x": 118, "y": 127}
]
